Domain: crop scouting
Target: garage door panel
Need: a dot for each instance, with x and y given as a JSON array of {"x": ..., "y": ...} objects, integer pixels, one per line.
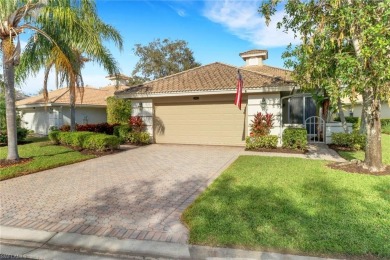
[{"x": 215, "y": 124}]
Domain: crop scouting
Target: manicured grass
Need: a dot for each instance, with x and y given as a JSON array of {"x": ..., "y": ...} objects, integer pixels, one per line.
[
  {"x": 360, "y": 154},
  {"x": 44, "y": 156},
  {"x": 293, "y": 205}
]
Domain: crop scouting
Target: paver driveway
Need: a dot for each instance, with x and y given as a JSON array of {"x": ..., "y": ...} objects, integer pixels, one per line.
[{"x": 139, "y": 193}]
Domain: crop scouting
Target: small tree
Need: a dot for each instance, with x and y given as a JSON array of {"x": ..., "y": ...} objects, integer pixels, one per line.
[
  {"x": 162, "y": 58},
  {"x": 118, "y": 110}
]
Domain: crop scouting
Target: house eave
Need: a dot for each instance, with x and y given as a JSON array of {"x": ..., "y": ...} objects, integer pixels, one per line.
[
  {"x": 207, "y": 92},
  {"x": 57, "y": 105}
]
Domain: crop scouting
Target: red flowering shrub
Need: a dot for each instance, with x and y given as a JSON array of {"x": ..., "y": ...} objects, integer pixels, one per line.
[
  {"x": 137, "y": 124},
  {"x": 262, "y": 124}
]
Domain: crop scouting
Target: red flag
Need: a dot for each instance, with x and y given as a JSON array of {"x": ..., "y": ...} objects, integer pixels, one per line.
[{"x": 240, "y": 83}]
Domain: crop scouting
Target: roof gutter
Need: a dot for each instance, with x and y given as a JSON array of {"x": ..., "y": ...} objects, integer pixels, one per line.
[
  {"x": 203, "y": 93},
  {"x": 57, "y": 105}
]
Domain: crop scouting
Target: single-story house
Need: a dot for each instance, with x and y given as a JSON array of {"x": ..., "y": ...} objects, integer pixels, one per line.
[
  {"x": 196, "y": 106},
  {"x": 39, "y": 116},
  {"x": 355, "y": 109}
]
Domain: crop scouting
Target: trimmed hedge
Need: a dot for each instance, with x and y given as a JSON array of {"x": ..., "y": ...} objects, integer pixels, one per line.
[
  {"x": 101, "y": 142},
  {"x": 352, "y": 140},
  {"x": 265, "y": 141},
  {"x": 85, "y": 140},
  {"x": 139, "y": 137},
  {"x": 295, "y": 138}
]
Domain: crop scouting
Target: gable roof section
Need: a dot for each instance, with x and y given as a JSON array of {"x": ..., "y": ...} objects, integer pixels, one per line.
[
  {"x": 214, "y": 76},
  {"x": 271, "y": 71},
  {"x": 90, "y": 96}
]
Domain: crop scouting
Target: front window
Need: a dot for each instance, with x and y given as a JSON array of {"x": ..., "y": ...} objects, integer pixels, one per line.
[{"x": 296, "y": 109}]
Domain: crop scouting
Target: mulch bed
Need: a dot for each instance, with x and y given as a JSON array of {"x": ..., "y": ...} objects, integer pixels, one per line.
[
  {"x": 278, "y": 150},
  {"x": 7, "y": 163},
  {"x": 354, "y": 166}
]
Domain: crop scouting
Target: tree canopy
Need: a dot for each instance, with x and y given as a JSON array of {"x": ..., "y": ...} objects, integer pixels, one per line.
[
  {"x": 345, "y": 49},
  {"x": 61, "y": 30},
  {"x": 162, "y": 58}
]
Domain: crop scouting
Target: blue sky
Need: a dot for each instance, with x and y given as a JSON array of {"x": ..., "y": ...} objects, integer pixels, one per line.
[{"x": 215, "y": 30}]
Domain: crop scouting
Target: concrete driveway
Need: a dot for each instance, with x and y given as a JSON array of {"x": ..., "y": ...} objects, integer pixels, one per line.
[{"x": 138, "y": 194}]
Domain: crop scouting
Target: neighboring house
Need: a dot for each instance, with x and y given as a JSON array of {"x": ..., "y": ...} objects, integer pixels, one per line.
[
  {"x": 39, "y": 116},
  {"x": 355, "y": 109},
  {"x": 197, "y": 106}
]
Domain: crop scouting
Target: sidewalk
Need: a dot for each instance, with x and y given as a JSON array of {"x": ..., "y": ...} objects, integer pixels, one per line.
[{"x": 37, "y": 244}]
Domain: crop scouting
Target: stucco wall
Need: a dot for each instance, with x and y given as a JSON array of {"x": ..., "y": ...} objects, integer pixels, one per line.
[
  {"x": 144, "y": 109},
  {"x": 272, "y": 107},
  {"x": 357, "y": 110},
  {"x": 40, "y": 119},
  {"x": 85, "y": 115}
]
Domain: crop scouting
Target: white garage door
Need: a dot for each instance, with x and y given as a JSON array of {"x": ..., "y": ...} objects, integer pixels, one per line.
[
  {"x": 38, "y": 121},
  {"x": 209, "y": 124}
]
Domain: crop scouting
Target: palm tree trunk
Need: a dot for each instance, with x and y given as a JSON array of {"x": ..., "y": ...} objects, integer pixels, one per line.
[
  {"x": 9, "y": 82},
  {"x": 72, "y": 109}
]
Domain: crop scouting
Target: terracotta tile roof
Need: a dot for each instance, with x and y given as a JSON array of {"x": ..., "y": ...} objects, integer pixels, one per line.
[
  {"x": 91, "y": 96},
  {"x": 271, "y": 71},
  {"x": 252, "y": 52},
  {"x": 214, "y": 76}
]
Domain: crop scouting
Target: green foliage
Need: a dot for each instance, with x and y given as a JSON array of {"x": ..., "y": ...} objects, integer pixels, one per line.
[
  {"x": 53, "y": 136},
  {"x": 122, "y": 131},
  {"x": 265, "y": 141},
  {"x": 101, "y": 142},
  {"x": 118, "y": 110},
  {"x": 139, "y": 138},
  {"x": 21, "y": 134},
  {"x": 295, "y": 138},
  {"x": 355, "y": 121},
  {"x": 262, "y": 124},
  {"x": 88, "y": 140},
  {"x": 352, "y": 140},
  {"x": 162, "y": 58}
]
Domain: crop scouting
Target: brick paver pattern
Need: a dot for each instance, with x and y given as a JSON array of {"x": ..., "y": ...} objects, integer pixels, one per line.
[{"x": 139, "y": 193}]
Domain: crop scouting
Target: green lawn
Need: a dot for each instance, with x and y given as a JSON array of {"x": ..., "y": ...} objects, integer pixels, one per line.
[
  {"x": 45, "y": 156},
  {"x": 294, "y": 206},
  {"x": 360, "y": 154}
]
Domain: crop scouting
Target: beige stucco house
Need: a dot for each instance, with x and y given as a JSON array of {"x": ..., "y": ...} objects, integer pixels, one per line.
[
  {"x": 197, "y": 106},
  {"x": 355, "y": 109},
  {"x": 39, "y": 116}
]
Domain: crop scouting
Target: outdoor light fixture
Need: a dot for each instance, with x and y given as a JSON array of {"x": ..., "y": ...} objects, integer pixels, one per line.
[
  {"x": 263, "y": 104},
  {"x": 140, "y": 105}
]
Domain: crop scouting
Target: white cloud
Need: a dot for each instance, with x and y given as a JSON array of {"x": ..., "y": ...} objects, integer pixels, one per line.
[{"x": 242, "y": 19}]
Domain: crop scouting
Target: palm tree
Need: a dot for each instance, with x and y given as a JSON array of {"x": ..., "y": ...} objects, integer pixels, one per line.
[
  {"x": 59, "y": 27},
  {"x": 87, "y": 46}
]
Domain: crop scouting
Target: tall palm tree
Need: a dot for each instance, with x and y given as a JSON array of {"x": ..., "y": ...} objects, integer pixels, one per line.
[
  {"x": 80, "y": 48},
  {"x": 56, "y": 24}
]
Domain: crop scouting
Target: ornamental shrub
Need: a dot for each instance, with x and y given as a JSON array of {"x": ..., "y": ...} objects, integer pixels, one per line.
[
  {"x": 104, "y": 128},
  {"x": 65, "y": 128},
  {"x": 139, "y": 138},
  {"x": 257, "y": 142},
  {"x": 77, "y": 138},
  {"x": 21, "y": 134},
  {"x": 53, "y": 136},
  {"x": 295, "y": 138},
  {"x": 122, "y": 131},
  {"x": 262, "y": 124},
  {"x": 101, "y": 142},
  {"x": 137, "y": 124},
  {"x": 353, "y": 140}
]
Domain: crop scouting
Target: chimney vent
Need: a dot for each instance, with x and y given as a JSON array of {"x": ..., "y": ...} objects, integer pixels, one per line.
[{"x": 254, "y": 57}]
